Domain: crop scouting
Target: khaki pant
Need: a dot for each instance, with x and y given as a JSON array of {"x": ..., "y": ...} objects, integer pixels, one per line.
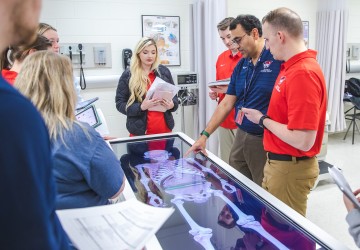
[
  {"x": 291, "y": 181},
  {"x": 226, "y": 140},
  {"x": 248, "y": 156}
]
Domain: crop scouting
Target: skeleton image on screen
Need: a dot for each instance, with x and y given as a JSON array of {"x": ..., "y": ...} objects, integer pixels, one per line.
[
  {"x": 216, "y": 207},
  {"x": 187, "y": 180}
]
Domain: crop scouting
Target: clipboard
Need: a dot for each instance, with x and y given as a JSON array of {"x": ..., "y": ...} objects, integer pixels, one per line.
[{"x": 343, "y": 185}]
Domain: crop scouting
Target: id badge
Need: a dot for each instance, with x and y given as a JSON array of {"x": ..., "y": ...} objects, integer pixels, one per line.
[{"x": 239, "y": 117}]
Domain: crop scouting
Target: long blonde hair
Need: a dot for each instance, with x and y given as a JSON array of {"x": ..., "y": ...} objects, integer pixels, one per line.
[
  {"x": 139, "y": 79},
  {"x": 46, "y": 78}
]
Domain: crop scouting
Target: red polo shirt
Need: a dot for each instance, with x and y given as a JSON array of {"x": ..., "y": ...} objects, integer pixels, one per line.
[
  {"x": 225, "y": 65},
  {"x": 155, "y": 120},
  {"x": 156, "y": 124},
  {"x": 298, "y": 100},
  {"x": 9, "y": 76}
]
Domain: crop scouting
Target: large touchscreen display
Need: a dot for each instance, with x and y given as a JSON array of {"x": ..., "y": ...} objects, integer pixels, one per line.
[{"x": 213, "y": 209}]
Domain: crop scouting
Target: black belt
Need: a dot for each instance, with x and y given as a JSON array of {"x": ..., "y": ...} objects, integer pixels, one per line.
[
  {"x": 257, "y": 135},
  {"x": 279, "y": 157}
]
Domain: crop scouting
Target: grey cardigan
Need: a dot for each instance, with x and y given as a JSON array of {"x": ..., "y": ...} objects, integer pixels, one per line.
[{"x": 136, "y": 119}]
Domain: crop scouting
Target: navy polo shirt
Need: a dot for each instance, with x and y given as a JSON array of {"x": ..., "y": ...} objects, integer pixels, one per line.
[{"x": 253, "y": 85}]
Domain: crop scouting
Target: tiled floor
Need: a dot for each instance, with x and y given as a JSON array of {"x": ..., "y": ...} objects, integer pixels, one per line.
[{"x": 325, "y": 207}]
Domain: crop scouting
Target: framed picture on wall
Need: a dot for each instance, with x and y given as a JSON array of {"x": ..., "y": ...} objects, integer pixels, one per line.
[
  {"x": 166, "y": 32},
  {"x": 306, "y": 32}
]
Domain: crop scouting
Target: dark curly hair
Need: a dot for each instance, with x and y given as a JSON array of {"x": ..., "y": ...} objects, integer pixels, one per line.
[{"x": 248, "y": 22}]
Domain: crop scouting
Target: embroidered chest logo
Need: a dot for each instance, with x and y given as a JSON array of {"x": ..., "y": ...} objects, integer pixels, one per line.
[
  {"x": 281, "y": 80},
  {"x": 266, "y": 66}
]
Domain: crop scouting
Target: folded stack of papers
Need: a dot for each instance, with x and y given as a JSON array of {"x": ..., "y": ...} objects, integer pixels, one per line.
[{"x": 161, "y": 90}]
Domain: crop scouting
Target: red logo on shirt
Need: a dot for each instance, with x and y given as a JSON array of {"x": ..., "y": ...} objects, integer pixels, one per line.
[{"x": 267, "y": 64}]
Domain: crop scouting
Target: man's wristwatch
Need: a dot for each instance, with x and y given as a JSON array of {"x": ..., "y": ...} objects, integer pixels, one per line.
[
  {"x": 261, "y": 121},
  {"x": 205, "y": 133}
]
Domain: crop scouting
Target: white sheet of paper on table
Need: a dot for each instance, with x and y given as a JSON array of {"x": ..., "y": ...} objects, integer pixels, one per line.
[{"x": 126, "y": 225}]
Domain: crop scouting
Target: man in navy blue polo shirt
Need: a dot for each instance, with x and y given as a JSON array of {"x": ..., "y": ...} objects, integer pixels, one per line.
[{"x": 251, "y": 86}]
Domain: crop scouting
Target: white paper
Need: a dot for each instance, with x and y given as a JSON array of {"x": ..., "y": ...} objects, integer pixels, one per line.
[
  {"x": 126, "y": 225},
  {"x": 162, "y": 90},
  {"x": 159, "y": 94},
  {"x": 160, "y": 85}
]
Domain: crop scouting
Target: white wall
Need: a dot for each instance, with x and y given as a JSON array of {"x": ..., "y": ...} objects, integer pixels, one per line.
[
  {"x": 353, "y": 34},
  {"x": 112, "y": 21},
  {"x": 117, "y": 22},
  {"x": 259, "y": 8}
]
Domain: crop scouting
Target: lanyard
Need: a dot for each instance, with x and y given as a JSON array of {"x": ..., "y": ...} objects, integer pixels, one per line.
[{"x": 249, "y": 82}]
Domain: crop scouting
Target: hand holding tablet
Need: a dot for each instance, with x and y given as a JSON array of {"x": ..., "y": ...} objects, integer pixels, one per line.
[
  {"x": 224, "y": 82},
  {"x": 344, "y": 186}
]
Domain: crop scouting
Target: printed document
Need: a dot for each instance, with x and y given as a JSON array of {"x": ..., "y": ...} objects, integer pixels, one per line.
[
  {"x": 161, "y": 90},
  {"x": 126, "y": 225}
]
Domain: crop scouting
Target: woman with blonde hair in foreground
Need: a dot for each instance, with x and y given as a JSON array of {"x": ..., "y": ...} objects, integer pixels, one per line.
[{"x": 86, "y": 170}]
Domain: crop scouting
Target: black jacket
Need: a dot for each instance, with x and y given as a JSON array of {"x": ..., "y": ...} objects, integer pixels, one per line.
[{"x": 136, "y": 119}]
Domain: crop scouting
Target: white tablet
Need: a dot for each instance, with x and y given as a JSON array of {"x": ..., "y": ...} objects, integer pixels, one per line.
[
  {"x": 219, "y": 83},
  {"x": 86, "y": 103},
  {"x": 90, "y": 116},
  {"x": 343, "y": 185}
]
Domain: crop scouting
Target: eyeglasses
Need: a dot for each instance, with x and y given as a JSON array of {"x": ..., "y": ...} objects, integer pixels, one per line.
[{"x": 238, "y": 39}]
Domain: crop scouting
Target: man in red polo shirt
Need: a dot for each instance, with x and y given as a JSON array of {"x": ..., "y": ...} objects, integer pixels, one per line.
[
  {"x": 295, "y": 120},
  {"x": 225, "y": 65}
]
